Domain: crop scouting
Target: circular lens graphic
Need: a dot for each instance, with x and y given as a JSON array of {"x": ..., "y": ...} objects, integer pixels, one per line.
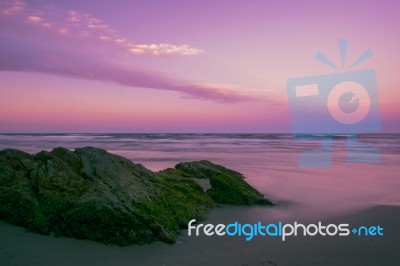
[{"x": 348, "y": 102}]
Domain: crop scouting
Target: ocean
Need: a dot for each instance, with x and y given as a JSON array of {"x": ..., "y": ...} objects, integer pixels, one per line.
[
  {"x": 355, "y": 193},
  {"x": 270, "y": 163}
]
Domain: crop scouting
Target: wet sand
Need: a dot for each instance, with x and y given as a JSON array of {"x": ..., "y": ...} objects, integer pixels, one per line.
[{"x": 18, "y": 247}]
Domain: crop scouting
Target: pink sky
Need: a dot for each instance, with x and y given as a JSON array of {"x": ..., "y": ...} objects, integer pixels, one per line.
[{"x": 181, "y": 66}]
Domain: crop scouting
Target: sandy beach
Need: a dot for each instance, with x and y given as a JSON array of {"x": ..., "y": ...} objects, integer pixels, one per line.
[{"x": 18, "y": 247}]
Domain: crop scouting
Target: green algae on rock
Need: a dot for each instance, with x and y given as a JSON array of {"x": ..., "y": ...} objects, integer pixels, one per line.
[
  {"x": 92, "y": 194},
  {"x": 227, "y": 186}
]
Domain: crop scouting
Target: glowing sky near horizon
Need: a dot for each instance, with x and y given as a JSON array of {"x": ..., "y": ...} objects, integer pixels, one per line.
[{"x": 181, "y": 66}]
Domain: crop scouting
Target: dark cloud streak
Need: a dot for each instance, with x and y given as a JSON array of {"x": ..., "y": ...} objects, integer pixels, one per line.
[
  {"x": 34, "y": 45},
  {"x": 24, "y": 59}
]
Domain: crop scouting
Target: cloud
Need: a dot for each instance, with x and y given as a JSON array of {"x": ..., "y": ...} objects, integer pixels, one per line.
[
  {"x": 11, "y": 7},
  {"x": 65, "y": 64},
  {"x": 84, "y": 25},
  {"x": 71, "y": 44},
  {"x": 164, "y": 49},
  {"x": 34, "y": 18}
]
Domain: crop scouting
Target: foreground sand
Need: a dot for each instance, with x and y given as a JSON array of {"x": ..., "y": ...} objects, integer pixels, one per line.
[{"x": 18, "y": 247}]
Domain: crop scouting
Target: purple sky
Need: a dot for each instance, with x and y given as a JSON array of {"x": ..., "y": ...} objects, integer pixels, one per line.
[{"x": 181, "y": 66}]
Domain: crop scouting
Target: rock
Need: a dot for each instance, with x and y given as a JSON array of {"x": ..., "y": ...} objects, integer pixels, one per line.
[
  {"x": 227, "y": 186},
  {"x": 92, "y": 194}
]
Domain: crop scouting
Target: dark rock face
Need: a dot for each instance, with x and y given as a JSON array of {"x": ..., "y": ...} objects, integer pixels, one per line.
[{"x": 92, "y": 194}]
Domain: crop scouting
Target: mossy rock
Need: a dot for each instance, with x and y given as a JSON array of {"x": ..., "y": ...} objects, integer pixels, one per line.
[
  {"x": 92, "y": 194},
  {"x": 227, "y": 186}
]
